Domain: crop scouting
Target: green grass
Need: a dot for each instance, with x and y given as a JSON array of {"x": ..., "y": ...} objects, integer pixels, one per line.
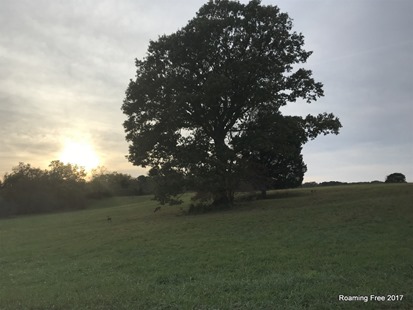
[{"x": 297, "y": 250}]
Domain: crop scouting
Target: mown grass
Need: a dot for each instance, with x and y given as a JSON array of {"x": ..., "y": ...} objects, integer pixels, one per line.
[{"x": 297, "y": 250}]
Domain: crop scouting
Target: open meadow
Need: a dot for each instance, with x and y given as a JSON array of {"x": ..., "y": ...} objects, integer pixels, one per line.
[{"x": 299, "y": 249}]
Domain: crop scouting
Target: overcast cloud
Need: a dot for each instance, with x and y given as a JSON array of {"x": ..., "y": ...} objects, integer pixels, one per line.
[{"x": 65, "y": 66}]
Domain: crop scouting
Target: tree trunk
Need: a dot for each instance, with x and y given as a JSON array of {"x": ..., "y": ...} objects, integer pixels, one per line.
[
  {"x": 223, "y": 196},
  {"x": 223, "y": 199}
]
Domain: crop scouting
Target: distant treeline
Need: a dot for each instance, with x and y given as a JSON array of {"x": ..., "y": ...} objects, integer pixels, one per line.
[
  {"x": 28, "y": 190},
  {"x": 396, "y": 177},
  {"x": 336, "y": 183}
]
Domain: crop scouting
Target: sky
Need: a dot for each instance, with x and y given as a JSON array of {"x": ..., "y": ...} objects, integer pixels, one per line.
[{"x": 65, "y": 66}]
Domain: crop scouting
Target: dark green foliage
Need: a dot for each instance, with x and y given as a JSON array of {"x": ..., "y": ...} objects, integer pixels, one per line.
[
  {"x": 271, "y": 146},
  {"x": 31, "y": 190},
  {"x": 146, "y": 185},
  {"x": 107, "y": 184},
  {"x": 396, "y": 178},
  {"x": 332, "y": 183},
  {"x": 271, "y": 152},
  {"x": 200, "y": 89},
  {"x": 169, "y": 184},
  {"x": 309, "y": 184}
]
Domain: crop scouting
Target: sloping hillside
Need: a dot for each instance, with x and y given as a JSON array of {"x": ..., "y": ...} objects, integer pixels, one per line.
[{"x": 300, "y": 249}]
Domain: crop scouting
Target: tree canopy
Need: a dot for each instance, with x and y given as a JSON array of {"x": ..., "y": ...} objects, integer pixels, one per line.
[
  {"x": 32, "y": 190},
  {"x": 206, "y": 95},
  {"x": 396, "y": 177},
  {"x": 271, "y": 151}
]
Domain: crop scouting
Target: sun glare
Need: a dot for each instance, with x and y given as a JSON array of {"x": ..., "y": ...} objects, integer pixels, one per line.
[{"x": 79, "y": 153}]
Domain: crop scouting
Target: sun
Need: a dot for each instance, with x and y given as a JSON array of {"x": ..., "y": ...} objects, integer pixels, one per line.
[{"x": 79, "y": 153}]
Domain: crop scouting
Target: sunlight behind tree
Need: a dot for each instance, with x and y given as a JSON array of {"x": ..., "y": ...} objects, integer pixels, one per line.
[{"x": 80, "y": 153}]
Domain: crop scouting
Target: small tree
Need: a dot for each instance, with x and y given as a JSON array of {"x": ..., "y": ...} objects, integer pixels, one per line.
[
  {"x": 105, "y": 183},
  {"x": 396, "y": 178},
  {"x": 23, "y": 188},
  {"x": 67, "y": 185}
]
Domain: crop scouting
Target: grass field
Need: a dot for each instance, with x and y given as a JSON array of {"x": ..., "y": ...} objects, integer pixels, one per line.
[{"x": 297, "y": 250}]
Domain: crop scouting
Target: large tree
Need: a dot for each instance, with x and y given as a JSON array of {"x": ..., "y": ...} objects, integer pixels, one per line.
[{"x": 199, "y": 89}]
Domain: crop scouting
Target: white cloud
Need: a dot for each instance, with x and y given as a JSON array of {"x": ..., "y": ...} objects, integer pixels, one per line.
[{"x": 66, "y": 66}]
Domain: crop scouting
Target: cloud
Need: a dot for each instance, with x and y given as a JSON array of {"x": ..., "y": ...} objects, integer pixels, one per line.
[
  {"x": 363, "y": 53},
  {"x": 361, "y": 163},
  {"x": 66, "y": 66}
]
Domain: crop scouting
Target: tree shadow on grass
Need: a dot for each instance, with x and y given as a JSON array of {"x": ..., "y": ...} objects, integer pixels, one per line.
[
  {"x": 206, "y": 206},
  {"x": 274, "y": 194}
]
